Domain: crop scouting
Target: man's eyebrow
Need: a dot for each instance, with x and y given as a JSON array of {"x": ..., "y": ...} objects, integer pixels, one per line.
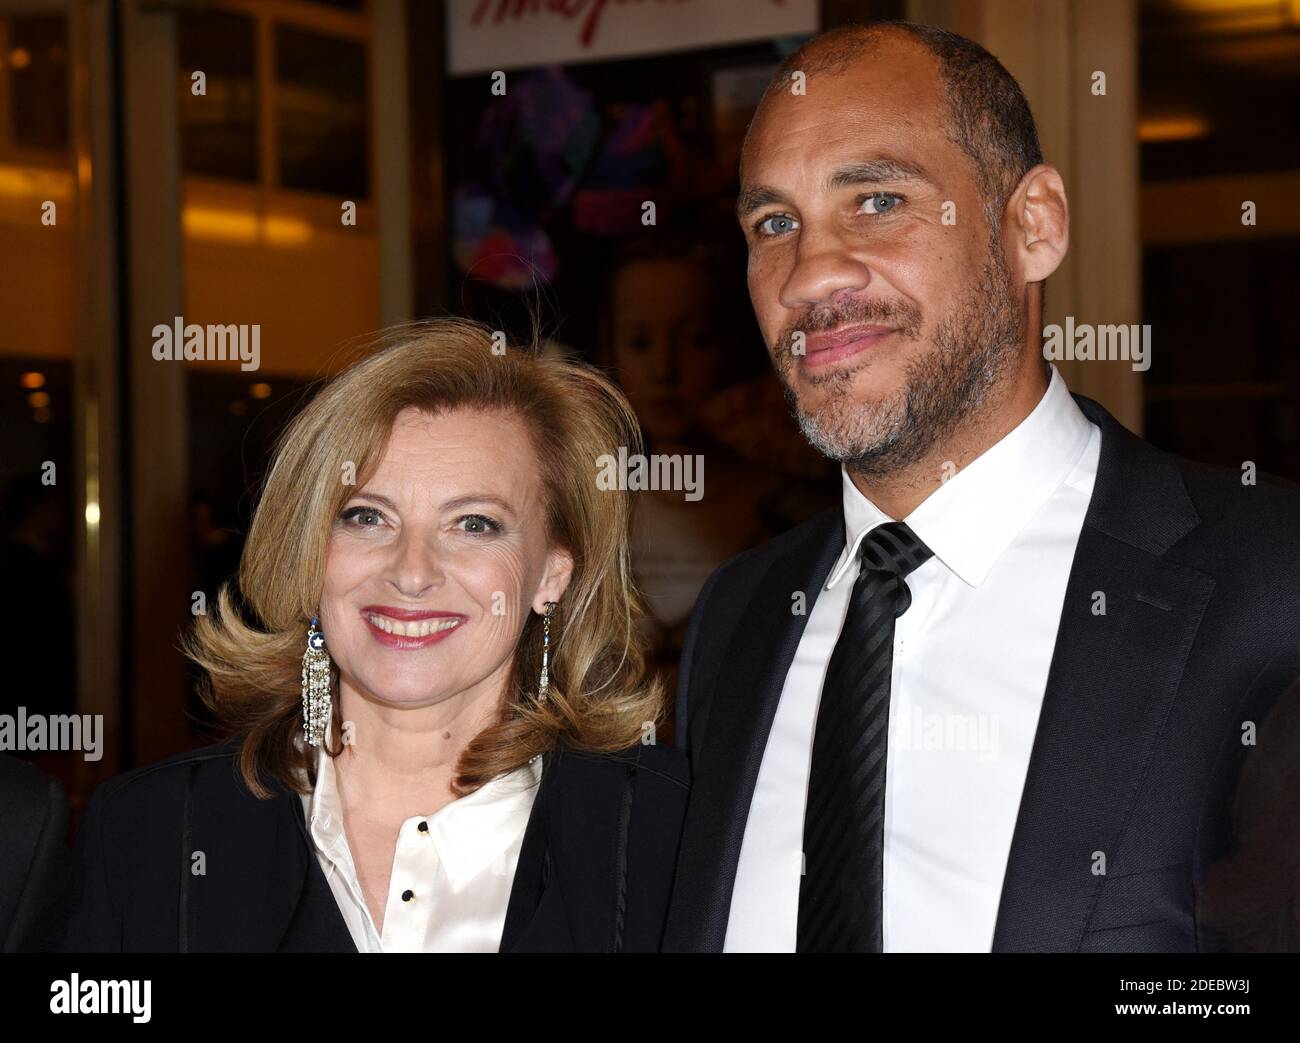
[
  {"x": 873, "y": 171},
  {"x": 870, "y": 171},
  {"x": 754, "y": 196}
]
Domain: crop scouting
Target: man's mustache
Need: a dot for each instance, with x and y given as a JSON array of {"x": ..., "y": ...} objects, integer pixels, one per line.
[{"x": 904, "y": 317}]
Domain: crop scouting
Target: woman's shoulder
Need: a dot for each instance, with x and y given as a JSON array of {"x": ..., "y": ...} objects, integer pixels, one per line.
[
  {"x": 666, "y": 764},
  {"x": 647, "y": 786},
  {"x": 165, "y": 784},
  {"x": 613, "y": 823}
]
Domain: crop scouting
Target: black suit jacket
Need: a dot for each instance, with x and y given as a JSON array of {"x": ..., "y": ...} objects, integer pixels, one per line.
[
  {"x": 35, "y": 871},
  {"x": 594, "y": 873},
  {"x": 1139, "y": 740}
]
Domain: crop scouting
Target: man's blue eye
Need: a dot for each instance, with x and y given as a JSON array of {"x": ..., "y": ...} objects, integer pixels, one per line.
[
  {"x": 881, "y": 202},
  {"x": 777, "y": 224}
]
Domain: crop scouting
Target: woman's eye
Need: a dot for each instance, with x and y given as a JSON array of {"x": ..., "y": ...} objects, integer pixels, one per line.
[
  {"x": 880, "y": 203},
  {"x": 777, "y": 224},
  {"x": 366, "y": 517},
  {"x": 479, "y": 524}
]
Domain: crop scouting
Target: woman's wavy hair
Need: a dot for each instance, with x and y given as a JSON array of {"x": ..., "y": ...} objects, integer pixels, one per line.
[{"x": 600, "y": 698}]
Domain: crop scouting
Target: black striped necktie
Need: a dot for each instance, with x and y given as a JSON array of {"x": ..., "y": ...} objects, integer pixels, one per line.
[{"x": 840, "y": 899}]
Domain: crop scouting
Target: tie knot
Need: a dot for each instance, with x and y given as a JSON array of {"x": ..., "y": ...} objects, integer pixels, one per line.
[{"x": 893, "y": 548}]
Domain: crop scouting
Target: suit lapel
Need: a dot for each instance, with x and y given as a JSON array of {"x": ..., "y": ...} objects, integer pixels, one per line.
[
  {"x": 535, "y": 907},
  {"x": 262, "y": 888},
  {"x": 317, "y": 924},
  {"x": 1110, "y": 687},
  {"x": 745, "y": 699}
]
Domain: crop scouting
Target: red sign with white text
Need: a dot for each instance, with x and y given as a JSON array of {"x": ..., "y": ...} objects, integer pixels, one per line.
[{"x": 487, "y": 35}]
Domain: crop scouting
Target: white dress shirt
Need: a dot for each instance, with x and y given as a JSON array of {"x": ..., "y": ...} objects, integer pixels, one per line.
[
  {"x": 452, "y": 870},
  {"x": 971, "y": 657}
]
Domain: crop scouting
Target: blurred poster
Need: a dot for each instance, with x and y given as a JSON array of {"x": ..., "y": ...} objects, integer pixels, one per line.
[
  {"x": 487, "y": 35},
  {"x": 736, "y": 93}
]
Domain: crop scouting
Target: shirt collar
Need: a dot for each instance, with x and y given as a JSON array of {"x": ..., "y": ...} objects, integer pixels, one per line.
[
  {"x": 325, "y": 814},
  {"x": 970, "y": 519},
  {"x": 475, "y": 830},
  {"x": 468, "y": 834}
]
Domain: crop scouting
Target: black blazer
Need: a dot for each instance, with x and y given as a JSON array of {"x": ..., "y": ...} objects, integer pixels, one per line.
[
  {"x": 35, "y": 870},
  {"x": 594, "y": 873},
  {"x": 1139, "y": 740}
]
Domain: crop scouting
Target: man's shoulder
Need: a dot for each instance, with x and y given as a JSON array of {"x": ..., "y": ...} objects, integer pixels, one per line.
[
  {"x": 1210, "y": 516},
  {"x": 32, "y": 800},
  {"x": 25, "y": 785},
  {"x": 747, "y": 567},
  {"x": 1260, "y": 514}
]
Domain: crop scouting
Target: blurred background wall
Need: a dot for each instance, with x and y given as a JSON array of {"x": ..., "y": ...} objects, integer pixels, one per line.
[{"x": 322, "y": 168}]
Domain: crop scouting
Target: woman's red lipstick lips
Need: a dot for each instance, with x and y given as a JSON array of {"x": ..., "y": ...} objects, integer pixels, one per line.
[
  {"x": 832, "y": 346},
  {"x": 409, "y": 615}
]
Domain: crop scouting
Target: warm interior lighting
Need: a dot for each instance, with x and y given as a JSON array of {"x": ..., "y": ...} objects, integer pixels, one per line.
[
  {"x": 38, "y": 399},
  {"x": 1240, "y": 15},
  {"x": 260, "y": 390},
  {"x": 286, "y": 231},
  {"x": 1172, "y": 128},
  {"x": 34, "y": 183},
  {"x": 244, "y": 226},
  {"x": 225, "y": 225},
  {"x": 32, "y": 380},
  {"x": 20, "y": 58},
  {"x": 92, "y": 513}
]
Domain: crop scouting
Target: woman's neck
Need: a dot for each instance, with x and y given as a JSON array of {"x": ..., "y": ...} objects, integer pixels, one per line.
[{"x": 399, "y": 762}]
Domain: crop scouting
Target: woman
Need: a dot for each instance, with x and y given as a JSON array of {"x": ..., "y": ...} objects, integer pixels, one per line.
[{"x": 443, "y": 740}]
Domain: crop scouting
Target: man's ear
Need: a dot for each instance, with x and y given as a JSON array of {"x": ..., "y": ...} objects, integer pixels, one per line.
[
  {"x": 1040, "y": 223},
  {"x": 555, "y": 580}
]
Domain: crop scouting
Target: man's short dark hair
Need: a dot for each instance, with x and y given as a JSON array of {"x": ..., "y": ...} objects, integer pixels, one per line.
[{"x": 988, "y": 115}]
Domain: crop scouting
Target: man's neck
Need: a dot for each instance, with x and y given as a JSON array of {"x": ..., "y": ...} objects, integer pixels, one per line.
[{"x": 899, "y": 493}]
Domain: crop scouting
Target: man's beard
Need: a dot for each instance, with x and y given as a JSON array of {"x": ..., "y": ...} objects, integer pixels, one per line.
[{"x": 978, "y": 344}]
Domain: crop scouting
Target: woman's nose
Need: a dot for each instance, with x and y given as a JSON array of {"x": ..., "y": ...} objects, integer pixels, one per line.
[{"x": 415, "y": 567}]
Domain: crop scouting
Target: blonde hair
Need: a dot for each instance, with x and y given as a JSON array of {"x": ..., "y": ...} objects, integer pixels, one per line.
[{"x": 251, "y": 647}]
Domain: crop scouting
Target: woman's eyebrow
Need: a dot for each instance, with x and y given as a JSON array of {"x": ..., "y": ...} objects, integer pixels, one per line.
[
  {"x": 466, "y": 500},
  {"x": 472, "y": 499},
  {"x": 379, "y": 498}
]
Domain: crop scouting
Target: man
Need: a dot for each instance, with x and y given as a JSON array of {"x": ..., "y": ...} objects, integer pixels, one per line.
[
  {"x": 35, "y": 869},
  {"x": 998, "y": 700}
]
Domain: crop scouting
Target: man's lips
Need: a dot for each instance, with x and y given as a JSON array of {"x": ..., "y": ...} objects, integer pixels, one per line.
[
  {"x": 830, "y": 346},
  {"x": 410, "y": 628}
]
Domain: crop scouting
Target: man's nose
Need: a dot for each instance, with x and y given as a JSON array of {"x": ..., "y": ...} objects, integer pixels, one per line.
[{"x": 823, "y": 268}]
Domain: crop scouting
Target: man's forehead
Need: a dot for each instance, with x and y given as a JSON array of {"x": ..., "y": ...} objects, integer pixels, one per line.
[
  {"x": 865, "y": 93},
  {"x": 844, "y": 126}
]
